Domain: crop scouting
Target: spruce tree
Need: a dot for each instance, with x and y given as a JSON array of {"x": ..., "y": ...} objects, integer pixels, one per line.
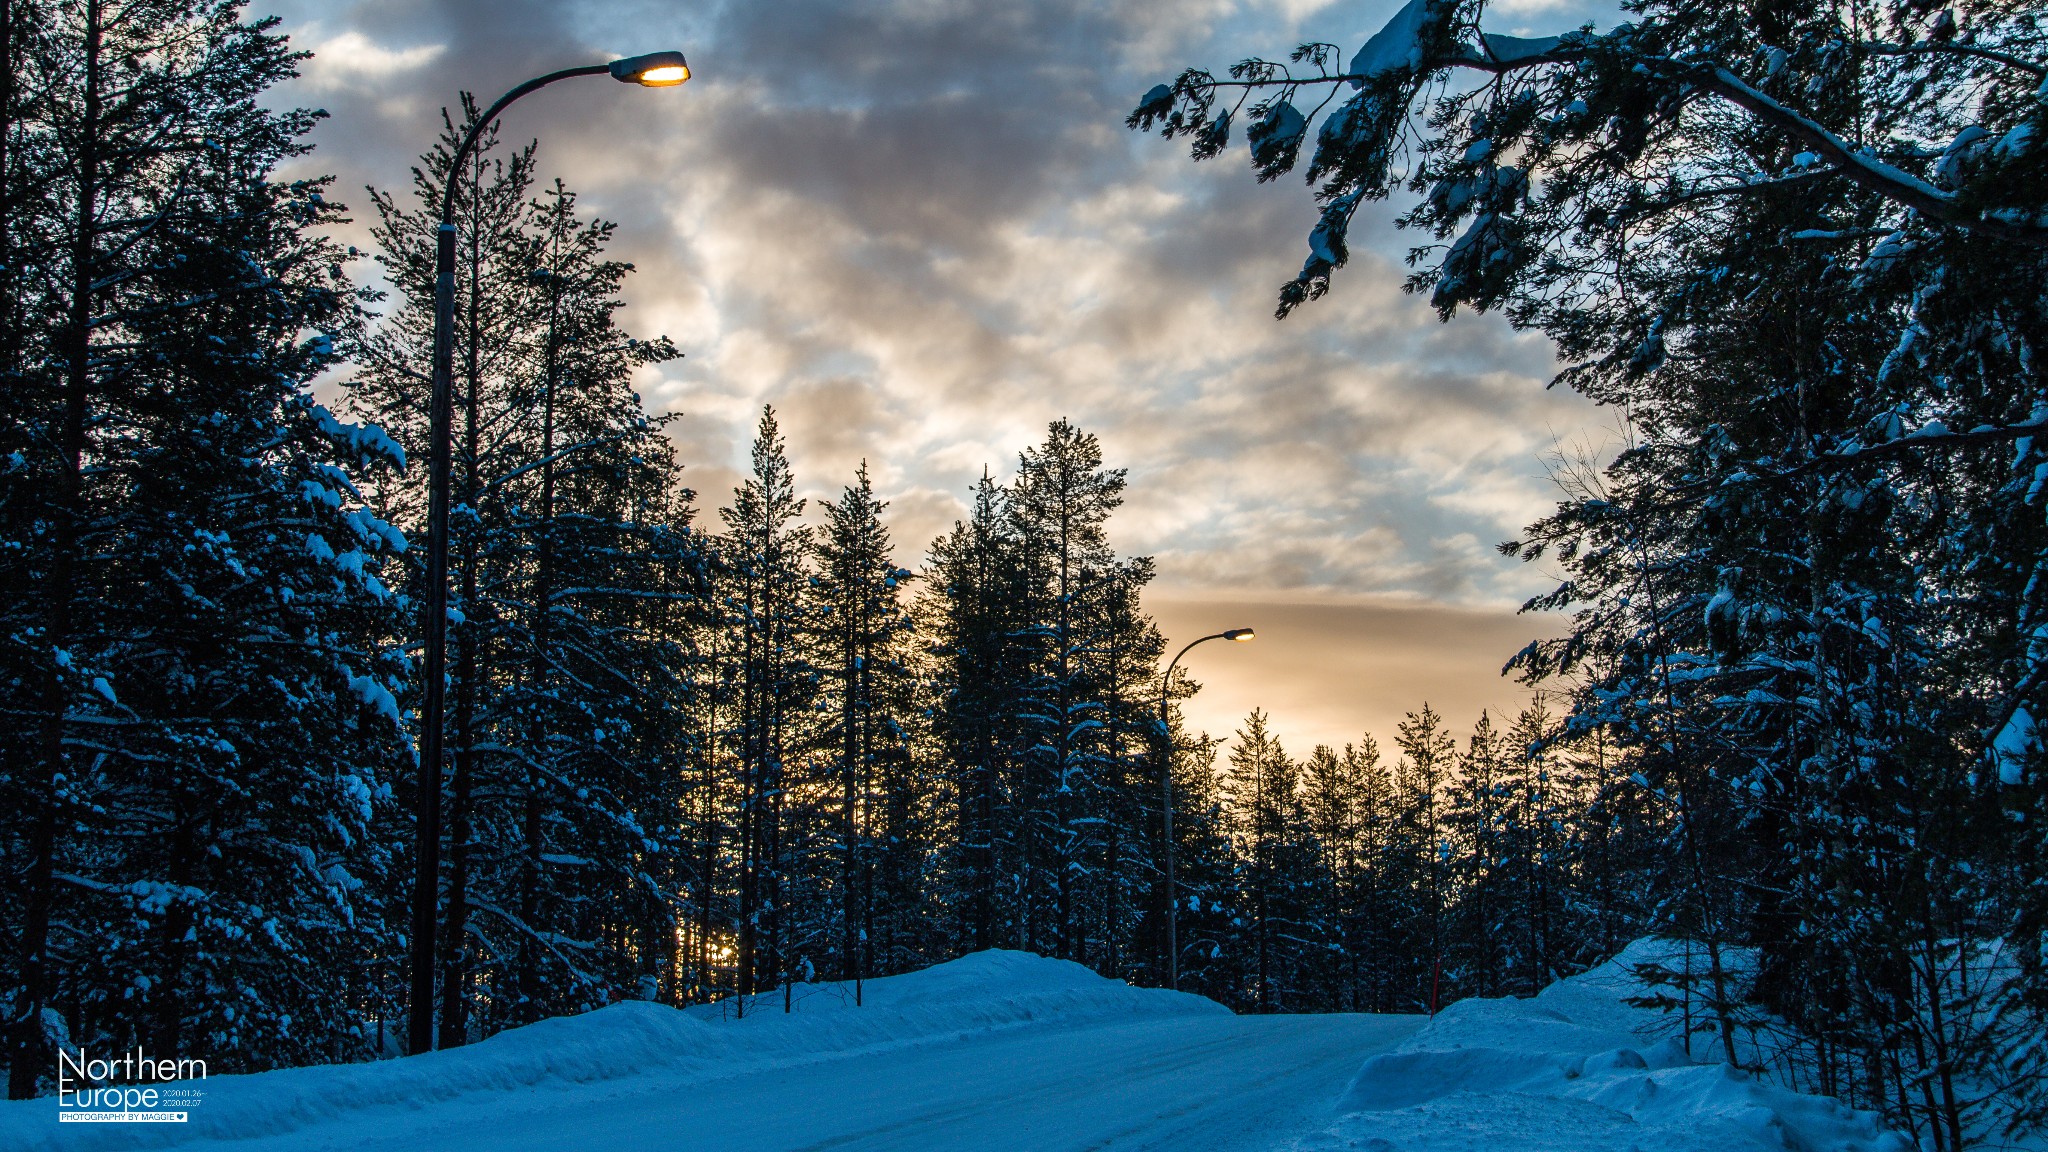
[
  {"x": 862, "y": 629},
  {"x": 764, "y": 556},
  {"x": 1263, "y": 799},
  {"x": 199, "y": 650},
  {"x": 579, "y": 586},
  {"x": 1421, "y": 851},
  {"x": 972, "y": 618},
  {"x": 1060, "y": 505}
]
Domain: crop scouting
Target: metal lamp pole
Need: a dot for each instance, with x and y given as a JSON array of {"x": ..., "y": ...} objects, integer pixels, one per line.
[
  {"x": 654, "y": 70},
  {"x": 1166, "y": 803}
]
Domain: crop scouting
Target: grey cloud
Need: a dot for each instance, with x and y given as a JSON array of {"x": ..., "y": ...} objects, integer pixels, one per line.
[{"x": 919, "y": 228}]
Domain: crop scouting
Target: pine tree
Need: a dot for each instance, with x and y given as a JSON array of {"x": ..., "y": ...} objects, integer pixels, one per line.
[
  {"x": 200, "y": 645},
  {"x": 1535, "y": 814},
  {"x": 1374, "y": 896},
  {"x": 1421, "y": 849},
  {"x": 1060, "y": 505},
  {"x": 596, "y": 580},
  {"x": 862, "y": 630},
  {"x": 1477, "y": 817},
  {"x": 1265, "y": 809},
  {"x": 1123, "y": 657},
  {"x": 396, "y": 365},
  {"x": 972, "y": 617},
  {"x": 764, "y": 556},
  {"x": 1333, "y": 805},
  {"x": 1206, "y": 875},
  {"x": 579, "y": 579}
]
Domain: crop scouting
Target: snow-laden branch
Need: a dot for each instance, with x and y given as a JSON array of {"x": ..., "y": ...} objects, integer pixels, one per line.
[
  {"x": 1502, "y": 55},
  {"x": 1858, "y": 165},
  {"x": 1934, "y": 436}
]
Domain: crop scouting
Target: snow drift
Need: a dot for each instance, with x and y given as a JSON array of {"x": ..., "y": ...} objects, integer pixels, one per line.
[
  {"x": 983, "y": 992},
  {"x": 1577, "y": 1069}
]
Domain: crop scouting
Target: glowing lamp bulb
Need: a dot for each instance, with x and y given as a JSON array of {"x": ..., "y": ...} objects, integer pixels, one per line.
[
  {"x": 654, "y": 70},
  {"x": 665, "y": 77}
]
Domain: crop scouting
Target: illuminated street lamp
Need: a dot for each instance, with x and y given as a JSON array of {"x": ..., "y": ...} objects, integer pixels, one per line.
[
  {"x": 1241, "y": 635},
  {"x": 654, "y": 70}
]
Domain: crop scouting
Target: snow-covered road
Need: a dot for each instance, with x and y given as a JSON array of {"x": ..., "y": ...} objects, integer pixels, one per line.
[
  {"x": 1006, "y": 1050},
  {"x": 997, "y": 1050},
  {"x": 1187, "y": 1082}
]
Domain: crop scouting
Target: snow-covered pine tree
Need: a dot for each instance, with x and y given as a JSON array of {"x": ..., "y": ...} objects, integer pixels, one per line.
[
  {"x": 1482, "y": 875},
  {"x": 391, "y": 387},
  {"x": 1536, "y": 814},
  {"x": 1040, "y": 689},
  {"x": 766, "y": 605},
  {"x": 1613, "y": 838},
  {"x": 862, "y": 631},
  {"x": 596, "y": 581},
  {"x": 1059, "y": 507},
  {"x": 1334, "y": 806},
  {"x": 1124, "y": 657},
  {"x": 197, "y": 640},
  {"x": 1262, "y": 798},
  {"x": 1419, "y": 853},
  {"x": 579, "y": 580},
  {"x": 1206, "y": 877},
  {"x": 1372, "y": 900},
  {"x": 970, "y": 617}
]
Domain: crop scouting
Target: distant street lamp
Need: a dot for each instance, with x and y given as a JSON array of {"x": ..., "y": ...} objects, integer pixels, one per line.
[
  {"x": 654, "y": 70},
  {"x": 1241, "y": 635}
]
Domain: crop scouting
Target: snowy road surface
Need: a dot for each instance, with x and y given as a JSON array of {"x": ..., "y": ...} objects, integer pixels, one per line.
[
  {"x": 997, "y": 1050},
  {"x": 1005, "y": 1050},
  {"x": 1189, "y": 1082}
]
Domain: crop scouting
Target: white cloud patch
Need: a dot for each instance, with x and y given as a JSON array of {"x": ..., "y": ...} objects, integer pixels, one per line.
[{"x": 350, "y": 60}]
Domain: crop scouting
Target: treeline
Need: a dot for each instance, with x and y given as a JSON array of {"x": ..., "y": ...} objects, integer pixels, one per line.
[{"x": 1349, "y": 881}]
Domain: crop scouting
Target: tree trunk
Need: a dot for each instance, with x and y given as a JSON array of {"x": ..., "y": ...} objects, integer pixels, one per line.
[
  {"x": 849, "y": 751},
  {"x": 29, "y": 1056}
]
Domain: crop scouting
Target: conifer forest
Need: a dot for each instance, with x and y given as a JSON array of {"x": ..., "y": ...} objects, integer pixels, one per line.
[{"x": 713, "y": 746}]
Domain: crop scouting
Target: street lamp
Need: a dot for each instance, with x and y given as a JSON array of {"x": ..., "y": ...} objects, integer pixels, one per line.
[
  {"x": 1241, "y": 635},
  {"x": 654, "y": 70}
]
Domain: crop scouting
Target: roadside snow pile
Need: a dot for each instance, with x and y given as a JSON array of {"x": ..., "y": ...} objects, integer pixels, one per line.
[
  {"x": 980, "y": 993},
  {"x": 1575, "y": 1070}
]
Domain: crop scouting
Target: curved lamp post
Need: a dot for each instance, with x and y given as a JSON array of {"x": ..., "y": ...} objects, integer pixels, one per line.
[
  {"x": 1241, "y": 635},
  {"x": 654, "y": 70}
]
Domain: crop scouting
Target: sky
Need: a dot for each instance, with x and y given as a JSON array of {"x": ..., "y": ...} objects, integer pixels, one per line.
[{"x": 920, "y": 229}]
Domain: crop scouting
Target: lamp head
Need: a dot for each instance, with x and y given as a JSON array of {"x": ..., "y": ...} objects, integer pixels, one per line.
[
  {"x": 654, "y": 70},
  {"x": 1238, "y": 634}
]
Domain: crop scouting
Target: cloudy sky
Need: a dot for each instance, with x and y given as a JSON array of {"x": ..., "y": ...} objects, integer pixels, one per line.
[{"x": 920, "y": 229}]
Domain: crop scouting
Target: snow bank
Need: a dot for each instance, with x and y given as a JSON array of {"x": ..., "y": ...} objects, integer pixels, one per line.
[
  {"x": 1573, "y": 1070},
  {"x": 983, "y": 992}
]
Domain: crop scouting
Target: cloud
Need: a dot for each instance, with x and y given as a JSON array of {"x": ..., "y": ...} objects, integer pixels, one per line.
[
  {"x": 919, "y": 228},
  {"x": 351, "y": 60}
]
